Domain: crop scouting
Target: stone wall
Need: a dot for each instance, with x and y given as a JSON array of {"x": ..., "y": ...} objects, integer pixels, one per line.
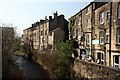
[
  {"x": 82, "y": 69},
  {"x": 47, "y": 60}
]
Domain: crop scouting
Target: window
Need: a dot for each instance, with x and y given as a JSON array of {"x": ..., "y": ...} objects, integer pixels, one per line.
[
  {"x": 34, "y": 40},
  {"x": 72, "y": 22},
  {"x": 70, "y": 29},
  {"x": 101, "y": 17},
  {"x": 118, "y": 35},
  {"x": 101, "y": 37},
  {"x": 87, "y": 39},
  {"x": 100, "y": 56},
  {"x": 38, "y": 34},
  {"x": 108, "y": 16},
  {"x": 45, "y": 32},
  {"x": 77, "y": 32},
  {"x": 116, "y": 61},
  {"x": 107, "y": 38},
  {"x": 79, "y": 21},
  {"x": 42, "y": 32},
  {"x": 41, "y": 47},
  {"x": 119, "y": 11},
  {"x": 87, "y": 10},
  {"x": 88, "y": 23}
]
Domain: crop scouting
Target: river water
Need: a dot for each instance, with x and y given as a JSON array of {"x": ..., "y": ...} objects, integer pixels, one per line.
[{"x": 30, "y": 68}]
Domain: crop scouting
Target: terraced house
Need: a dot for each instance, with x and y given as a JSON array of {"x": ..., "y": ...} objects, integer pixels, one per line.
[
  {"x": 43, "y": 34},
  {"x": 96, "y": 29}
]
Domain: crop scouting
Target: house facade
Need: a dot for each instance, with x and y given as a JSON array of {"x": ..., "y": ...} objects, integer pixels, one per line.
[
  {"x": 54, "y": 35},
  {"x": 107, "y": 32},
  {"x": 40, "y": 32},
  {"x": 96, "y": 30},
  {"x": 80, "y": 29}
]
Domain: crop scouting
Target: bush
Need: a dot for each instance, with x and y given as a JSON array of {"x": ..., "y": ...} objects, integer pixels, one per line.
[{"x": 64, "y": 51}]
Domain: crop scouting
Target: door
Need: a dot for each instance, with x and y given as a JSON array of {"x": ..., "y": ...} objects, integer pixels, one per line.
[{"x": 100, "y": 56}]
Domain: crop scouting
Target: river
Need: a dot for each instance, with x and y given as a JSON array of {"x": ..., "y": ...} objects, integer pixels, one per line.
[{"x": 30, "y": 68}]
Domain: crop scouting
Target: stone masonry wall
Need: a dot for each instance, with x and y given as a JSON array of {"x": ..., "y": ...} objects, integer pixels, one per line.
[{"x": 82, "y": 69}]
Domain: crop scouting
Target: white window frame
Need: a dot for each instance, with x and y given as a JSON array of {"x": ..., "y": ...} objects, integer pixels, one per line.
[
  {"x": 101, "y": 37},
  {"x": 87, "y": 10},
  {"x": 102, "y": 17},
  {"x": 115, "y": 64},
  {"x": 79, "y": 20},
  {"x": 108, "y": 16},
  {"x": 101, "y": 55},
  {"x": 118, "y": 35},
  {"x": 88, "y": 23},
  {"x": 119, "y": 11}
]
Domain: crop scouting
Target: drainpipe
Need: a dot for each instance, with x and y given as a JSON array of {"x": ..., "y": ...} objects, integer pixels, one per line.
[
  {"x": 92, "y": 28},
  {"x": 104, "y": 47},
  {"x": 43, "y": 36},
  {"x": 110, "y": 25},
  {"x": 39, "y": 36}
]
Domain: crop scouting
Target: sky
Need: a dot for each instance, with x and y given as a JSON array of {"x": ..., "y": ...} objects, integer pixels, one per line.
[{"x": 23, "y": 13}]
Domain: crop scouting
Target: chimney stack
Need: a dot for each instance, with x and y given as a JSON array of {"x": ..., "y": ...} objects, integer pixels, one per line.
[
  {"x": 50, "y": 17},
  {"x": 41, "y": 21},
  {"x": 55, "y": 14},
  {"x": 45, "y": 18}
]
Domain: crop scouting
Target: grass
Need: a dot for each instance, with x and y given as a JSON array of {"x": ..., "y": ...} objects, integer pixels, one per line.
[{"x": 19, "y": 53}]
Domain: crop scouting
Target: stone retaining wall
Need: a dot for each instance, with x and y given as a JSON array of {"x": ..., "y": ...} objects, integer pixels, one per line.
[{"x": 82, "y": 69}]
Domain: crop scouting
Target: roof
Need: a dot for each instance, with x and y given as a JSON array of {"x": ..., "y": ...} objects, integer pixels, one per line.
[
  {"x": 96, "y": 6},
  {"x": 56, "y": 29},
  {"x": 81, "y": 10},
  {"x": 42, "y": 22}
]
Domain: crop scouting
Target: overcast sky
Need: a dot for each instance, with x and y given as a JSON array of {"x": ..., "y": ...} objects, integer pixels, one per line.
[{"x": 22, "y": 13}]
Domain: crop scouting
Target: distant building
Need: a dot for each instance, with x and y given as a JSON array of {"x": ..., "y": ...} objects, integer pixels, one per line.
[
  {"x": 54, "y": 35},
  {"x": 6, "y": 48},
  {"x": 40, "y": 31}
]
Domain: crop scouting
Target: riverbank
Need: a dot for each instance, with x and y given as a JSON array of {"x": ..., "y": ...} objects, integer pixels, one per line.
[
  {"x": 31, "y": 69},
  {"x": 26, "y": 69}
]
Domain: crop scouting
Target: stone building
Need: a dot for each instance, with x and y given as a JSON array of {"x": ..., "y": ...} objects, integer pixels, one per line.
[
  {"x": 29, "y": 35},
  {"x": 56, "y": 34},
  {"x": 107, "y": 31},
  {"x": 80, "y": 28},
  {"x": 6, "y": 48},
  {"x": 40, "y": 31},
  {"x": 96, "y": 29}
]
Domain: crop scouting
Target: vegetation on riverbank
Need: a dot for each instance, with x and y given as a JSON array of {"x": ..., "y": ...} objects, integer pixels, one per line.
[
  {"x": 56, "y": 62},
  {"x": 19, "y": 53},
  {"x": 10, "y": 44},
  {"x": 64, "y": 52}
]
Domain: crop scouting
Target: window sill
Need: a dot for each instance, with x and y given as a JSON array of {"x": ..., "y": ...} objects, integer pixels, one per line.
[
  {"x": 101, "y": 23},
  {"x": 101, "y": 43},
  {"x": 118, "y": 44},
  {"x": 87, "y": 13}
]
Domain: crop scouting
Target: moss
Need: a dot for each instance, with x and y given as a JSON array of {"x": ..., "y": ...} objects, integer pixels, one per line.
[{"x": 18, "y": 53}]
